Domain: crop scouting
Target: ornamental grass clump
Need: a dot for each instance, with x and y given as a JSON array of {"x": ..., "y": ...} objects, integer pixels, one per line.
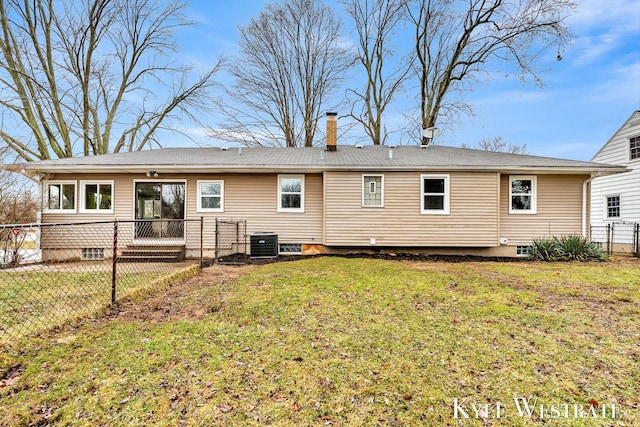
[{"x": 566, "y": 248}]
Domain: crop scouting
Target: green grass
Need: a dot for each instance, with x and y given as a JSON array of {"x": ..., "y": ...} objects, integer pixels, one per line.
[
  {"x": 34, "y": 301},
  {"x": 354, "y": 342}
]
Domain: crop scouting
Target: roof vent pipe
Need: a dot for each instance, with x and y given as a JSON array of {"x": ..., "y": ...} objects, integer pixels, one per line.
[{"x": 390, "y": 153}]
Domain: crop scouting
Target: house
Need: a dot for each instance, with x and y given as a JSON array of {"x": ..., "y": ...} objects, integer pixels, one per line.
[
  {"x": 431, "y": 199},
  {"x": 615, "y": 199}
]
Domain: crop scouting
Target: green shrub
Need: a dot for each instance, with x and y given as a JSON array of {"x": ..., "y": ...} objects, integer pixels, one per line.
[{"x": 566, "y": 248}]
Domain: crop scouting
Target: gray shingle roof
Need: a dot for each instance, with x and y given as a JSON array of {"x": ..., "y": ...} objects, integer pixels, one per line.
[{"x": 316, "y": 159}]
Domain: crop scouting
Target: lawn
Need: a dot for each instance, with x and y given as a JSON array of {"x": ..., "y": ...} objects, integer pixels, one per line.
[
  {"x": 37, "y": 299},
  {"x": 353, "y": 342}
]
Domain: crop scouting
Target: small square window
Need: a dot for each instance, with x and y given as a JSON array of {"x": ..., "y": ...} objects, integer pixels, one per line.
[
  {"x": 522, "y": 250},
  {"x": 613, "y": 206}
]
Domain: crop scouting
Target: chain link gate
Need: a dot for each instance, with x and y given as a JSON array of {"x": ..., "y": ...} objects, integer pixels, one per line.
[{"x": 231, "y": 241}]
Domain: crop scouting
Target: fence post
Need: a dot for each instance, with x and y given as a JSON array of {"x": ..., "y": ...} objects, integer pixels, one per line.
[
  {"x": 114, "y": 263},
  {"x": 216, "y": 251},
  {"x": 201, "y": 240},
  {"x": 637, "y": 239}
]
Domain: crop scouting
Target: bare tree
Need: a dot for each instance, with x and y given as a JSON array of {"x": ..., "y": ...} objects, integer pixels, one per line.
[
  {"x": 497, "y": 144},
  {"x": 292, "y": 58},
  {"x": 456, "y": 41},
  {"x": 80, "y": 73},
  {"x": 17, "y": 194},
  {"x": 375, "y": 22}
]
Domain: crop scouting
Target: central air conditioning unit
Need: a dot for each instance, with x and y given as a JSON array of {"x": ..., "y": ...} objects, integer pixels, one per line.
[{"x": 264, "y": 245}]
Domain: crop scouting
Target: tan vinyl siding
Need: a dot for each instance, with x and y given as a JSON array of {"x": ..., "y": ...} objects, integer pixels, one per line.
[
  {"x": 559, "y": 209},
  {"x": 251, "y": 197},
  {"x": 254, "y": 198},
  {"x": 472, "y": 222}
]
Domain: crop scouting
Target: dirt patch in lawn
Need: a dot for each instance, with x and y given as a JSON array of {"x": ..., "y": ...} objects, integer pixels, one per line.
[{"x": 184, "y": 300}]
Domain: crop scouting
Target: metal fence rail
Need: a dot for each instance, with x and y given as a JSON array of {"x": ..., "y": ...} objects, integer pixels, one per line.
[
  {"x": 52, "y": 273},
  {"x": 620, "y": 238}
]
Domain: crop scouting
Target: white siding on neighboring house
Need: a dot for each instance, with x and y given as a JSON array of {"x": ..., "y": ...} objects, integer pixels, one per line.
[{"x": 626, "y": 185}]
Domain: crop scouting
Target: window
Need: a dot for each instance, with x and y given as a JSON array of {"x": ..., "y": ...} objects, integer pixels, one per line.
[
  {"x": 290, "y": 193},
  {"x": 634, "y": 148},
  {"x": 210, "y": 196},
  {"x": 97, "y": 197},
  {"x": 372, "y": 190},
  {"x": 613, "y": 206},
  {"x": 92, "y": 253},
  {"x": 61, "y": 196},
  {"x": 522, "y": 194},
  {"x": 435, "y": 194},
  {"x": 291, "y": 248},
  {"x": 522, "y": 250}
]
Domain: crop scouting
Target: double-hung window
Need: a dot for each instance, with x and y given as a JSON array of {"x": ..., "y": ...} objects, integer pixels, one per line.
[
  {"x": 96, "y": 197},
  {"x": 634, "y": 148},
  {"x": 373, "y": 190},
  {"x": 522, "y": 194},
  {"x": 290, "y": 193},
  {"x": 60, "y": 196},
  {"x": 435, "y": 194},
  {"x": 210, "y": 196},
  {"x": 613, "y": 207}
]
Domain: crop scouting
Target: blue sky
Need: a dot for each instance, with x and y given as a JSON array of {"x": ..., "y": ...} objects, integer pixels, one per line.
[{"x": 587, "y": 97}]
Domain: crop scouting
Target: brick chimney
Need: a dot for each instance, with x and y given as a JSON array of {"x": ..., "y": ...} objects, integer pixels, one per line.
[{"x": 332, "y": 132}]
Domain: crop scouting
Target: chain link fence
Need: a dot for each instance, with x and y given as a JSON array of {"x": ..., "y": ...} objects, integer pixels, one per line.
[
  {"x": 51, "y": 274},
  {"x": 231, "y": 241},
  {"x": 620, "y": 238}
]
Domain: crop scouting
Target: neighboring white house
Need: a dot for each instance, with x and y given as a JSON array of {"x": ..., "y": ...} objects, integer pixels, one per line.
[{"x": 615, "y": 199}]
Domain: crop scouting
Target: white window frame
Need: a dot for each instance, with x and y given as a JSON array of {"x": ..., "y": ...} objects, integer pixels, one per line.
[
  {"x": 381, "y": 205},
  {"x": 534, "y": 194},
  {"x": 199, "y": 207},
  {"x": 280, "y": 193},
  {"x": 636, "y": 159},
  {"x": 83, "y": 208},
  {"x": 606, "y": 207},
  {"x": 60, "y": 210},
  {"x": 445, "y": 210}
]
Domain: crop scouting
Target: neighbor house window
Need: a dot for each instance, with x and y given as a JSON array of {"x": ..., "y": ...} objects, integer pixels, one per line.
[
  {"x": 634, "y": 148},
  {"x": 61, "y": 196},
  {"x": 96, "y": 197},
  {"x": 210, "y": 196},
  {"x": 435, "y": 194},
  {"x": 613, "y": 206},
  {"x": 290, "y": 193},
  {"x": 522, "y": 194},
  {"x": 372, "y": 190}
]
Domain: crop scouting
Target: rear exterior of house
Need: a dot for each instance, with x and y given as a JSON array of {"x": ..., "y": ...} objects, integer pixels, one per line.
[
  {"x": 615, "y": 200},
  {"x": 436, "y": 199}
]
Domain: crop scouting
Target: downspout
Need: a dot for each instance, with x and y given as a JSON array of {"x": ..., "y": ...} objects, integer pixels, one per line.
[{"x": 585, "y": 184}]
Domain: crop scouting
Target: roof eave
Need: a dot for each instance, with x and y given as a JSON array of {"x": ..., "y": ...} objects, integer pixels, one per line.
[{"x": 512, "y": 169}]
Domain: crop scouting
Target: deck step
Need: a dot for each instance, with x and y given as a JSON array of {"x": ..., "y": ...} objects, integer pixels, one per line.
[{"x": 149, "y": 253}]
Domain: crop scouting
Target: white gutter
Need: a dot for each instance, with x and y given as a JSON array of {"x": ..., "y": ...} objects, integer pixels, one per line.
[{"x": 584, "y": 202}]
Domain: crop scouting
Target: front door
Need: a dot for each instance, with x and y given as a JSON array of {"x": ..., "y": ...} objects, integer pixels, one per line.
[{"x": 162, "y": 204}]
